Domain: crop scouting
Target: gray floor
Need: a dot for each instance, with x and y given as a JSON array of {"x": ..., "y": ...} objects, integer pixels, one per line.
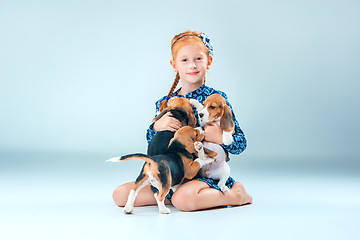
[{"x": 68, "y": 196}]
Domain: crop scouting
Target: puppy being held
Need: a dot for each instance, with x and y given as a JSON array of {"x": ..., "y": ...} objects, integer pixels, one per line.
[
  {"x": 181, "y": 109},
  {"x": 219, "y": 169},
  {"x": 216, "y": 109},
  {"x": 167, "y": 170}
]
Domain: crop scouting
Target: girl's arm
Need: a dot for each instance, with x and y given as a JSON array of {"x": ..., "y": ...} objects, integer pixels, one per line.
[
  {"x": 215, "y": 134},
  {"x": 150, "y": 133},
  {"x": 239, "y": 141},
  {"x": 166, "y": 122}
]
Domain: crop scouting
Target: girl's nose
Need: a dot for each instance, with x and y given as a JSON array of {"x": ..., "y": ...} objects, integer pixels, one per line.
[{"x": 192, "y": 65}]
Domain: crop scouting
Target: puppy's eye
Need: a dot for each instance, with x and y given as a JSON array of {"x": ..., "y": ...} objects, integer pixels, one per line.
[{"x": 211, "y": 107}]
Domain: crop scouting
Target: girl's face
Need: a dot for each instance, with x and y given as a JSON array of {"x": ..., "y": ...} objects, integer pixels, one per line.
[{"x": 191, "y": 63}]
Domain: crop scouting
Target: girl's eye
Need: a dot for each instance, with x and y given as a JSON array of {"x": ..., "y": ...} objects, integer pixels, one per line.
[
  {"x": 199, "y": 58},
  {"x": 184, "y": 60}
]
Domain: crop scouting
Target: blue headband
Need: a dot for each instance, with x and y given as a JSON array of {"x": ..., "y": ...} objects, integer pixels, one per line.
[{"x": 205, "y": 39}]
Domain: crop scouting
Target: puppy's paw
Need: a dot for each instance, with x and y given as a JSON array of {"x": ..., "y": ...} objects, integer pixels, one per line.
[
  {"x": 202, "y": 162},
  {"x": 210, "y": 160},
  {"x": 224, "y": 189},
  {"x": 213, "y": 160},
  {"x": 164, "y": 210},
  {"x": 198, "y": 146},
  {"x": 128, "y": 210}
]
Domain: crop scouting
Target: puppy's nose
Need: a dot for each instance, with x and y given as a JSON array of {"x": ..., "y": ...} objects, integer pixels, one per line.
[{"x": 201, "y": 115}]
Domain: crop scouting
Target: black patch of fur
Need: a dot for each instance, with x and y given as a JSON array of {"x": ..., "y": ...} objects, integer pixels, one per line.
[
  {"x": 180, "y": 115},
  {"x": 160, "y": 142},
  {"x": 133, "y": 155},
  {"x": 164, "y": 170},
  {"x": 141, "y": 175},
  {"x": 154, "y": 189},
  {"x": 170, "y": 163},
  {"x": 178, "y": 147}
]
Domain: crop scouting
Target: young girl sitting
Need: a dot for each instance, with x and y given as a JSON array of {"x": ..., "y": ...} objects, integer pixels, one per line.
[{"x": 192, "y": 57}]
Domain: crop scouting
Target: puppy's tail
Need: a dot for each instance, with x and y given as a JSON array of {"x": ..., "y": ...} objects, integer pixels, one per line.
[{"x": 142, "y": 156}]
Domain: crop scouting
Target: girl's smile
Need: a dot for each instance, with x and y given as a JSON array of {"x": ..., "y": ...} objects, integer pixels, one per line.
[{"x": 192, "y": 73}]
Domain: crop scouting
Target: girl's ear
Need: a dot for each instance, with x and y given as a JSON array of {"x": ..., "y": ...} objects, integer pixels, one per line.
[
  {"x": 172, "y": 62},
  {"x": 209, "y": 62}
]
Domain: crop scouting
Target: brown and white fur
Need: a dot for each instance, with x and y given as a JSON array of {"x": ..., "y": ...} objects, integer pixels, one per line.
[
  {"x": 216, "y": 109},
  {"x": 180, "y": 109},
  {"x": 219, "y": 169},
  {"x": 168, "y": 170},
  {"x": 180, "y": 104}
]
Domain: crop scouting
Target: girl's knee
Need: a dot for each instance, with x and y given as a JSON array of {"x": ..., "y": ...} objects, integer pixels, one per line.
[
  {"x": 184, "y": 199},
  {"x": 121, "y": 193}
]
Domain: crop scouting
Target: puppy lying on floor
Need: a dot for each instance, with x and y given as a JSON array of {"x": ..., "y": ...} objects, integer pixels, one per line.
[
  {"x": 180, "y": 109},
  {"x": 215, "y": 109},
  {"x": 167, "y": 170}
]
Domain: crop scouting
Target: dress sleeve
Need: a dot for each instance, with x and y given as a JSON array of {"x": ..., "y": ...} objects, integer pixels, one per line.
[
  {"x": 239, "y": 141},
  {"x": 150, "y": 133}
]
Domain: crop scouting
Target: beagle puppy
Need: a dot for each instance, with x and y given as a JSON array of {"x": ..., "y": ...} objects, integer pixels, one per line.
[
  {"x": 216, "y": 109},
  {"x": 219, "y": 169},
  {"x": 182, "y": 105},
  {"x": 169, "y": 169},
  {"x": 180, "y": 109}
]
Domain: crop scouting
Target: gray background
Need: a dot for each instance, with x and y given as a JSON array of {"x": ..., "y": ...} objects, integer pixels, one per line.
[
  {"x": 79, "y": 80},
  {"x": 84, "y": 75}
]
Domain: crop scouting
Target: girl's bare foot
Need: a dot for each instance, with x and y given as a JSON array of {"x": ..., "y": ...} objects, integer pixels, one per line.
[{"x": 240, "y": 196}]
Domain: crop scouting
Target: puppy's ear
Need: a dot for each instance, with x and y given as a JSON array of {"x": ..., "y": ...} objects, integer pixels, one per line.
[
  {"x": 192, "y": 119},
  {"x": 199, "y": 136},
  {"x": 162, "y": 113},
  {"x": 189, "y": 145},
  {"x": 210, "y": 153},
  {"x": 227, "y": 121}
]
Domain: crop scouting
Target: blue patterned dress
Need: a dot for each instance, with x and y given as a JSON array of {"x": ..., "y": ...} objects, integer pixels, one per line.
[{"x": 236, "y": 147}]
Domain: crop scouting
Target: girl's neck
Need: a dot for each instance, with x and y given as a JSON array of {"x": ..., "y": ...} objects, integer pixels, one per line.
[{"x": 187, "y": 88}]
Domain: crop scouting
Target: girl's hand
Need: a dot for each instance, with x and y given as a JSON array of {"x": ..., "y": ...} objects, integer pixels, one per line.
[
  {"x": 167, "y": 122},
  {"x": 213, "y": 133}
]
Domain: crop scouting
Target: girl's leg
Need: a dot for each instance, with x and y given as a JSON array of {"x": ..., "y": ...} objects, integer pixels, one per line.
[
  {"x": 197, "y": 195},
  {"x": 145, "y": 197}
]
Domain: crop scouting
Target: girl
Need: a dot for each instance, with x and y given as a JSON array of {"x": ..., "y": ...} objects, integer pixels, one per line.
[{"x": 192, "y": 57}]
